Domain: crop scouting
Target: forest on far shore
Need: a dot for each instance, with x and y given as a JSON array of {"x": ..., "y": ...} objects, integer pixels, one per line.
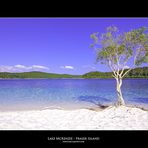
[{"x": 134, "y": 73}]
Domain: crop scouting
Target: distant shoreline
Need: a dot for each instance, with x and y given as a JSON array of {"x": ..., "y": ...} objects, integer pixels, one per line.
[
  {"x": 69, "y": 78},
  {"x": 134, "y": 73}
]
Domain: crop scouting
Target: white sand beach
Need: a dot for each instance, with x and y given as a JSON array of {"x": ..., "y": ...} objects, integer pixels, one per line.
[{"x": 111, "y": 118}]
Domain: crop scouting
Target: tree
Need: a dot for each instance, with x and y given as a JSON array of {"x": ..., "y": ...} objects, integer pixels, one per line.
[{"x": 115, "y": 49}]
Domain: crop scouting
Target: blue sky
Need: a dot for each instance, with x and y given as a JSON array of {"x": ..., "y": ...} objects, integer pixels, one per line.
[{"x": 55, "y": 45}]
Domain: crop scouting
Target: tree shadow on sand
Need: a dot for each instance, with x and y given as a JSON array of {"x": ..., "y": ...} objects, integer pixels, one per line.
[{"x": 97, "y": 100}]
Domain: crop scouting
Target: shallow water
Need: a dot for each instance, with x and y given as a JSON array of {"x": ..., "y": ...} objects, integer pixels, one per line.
[{"x": 22, "y": 94}]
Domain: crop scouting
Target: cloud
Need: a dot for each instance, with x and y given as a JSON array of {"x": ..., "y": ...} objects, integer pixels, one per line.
[
  {"x": 89, "y": 66},
  {"x": 67, "y": 67},
  {"x": 6, "y": 68},
  {"x": 22, "y": 68},
  {"x": 40, "y": 67}
]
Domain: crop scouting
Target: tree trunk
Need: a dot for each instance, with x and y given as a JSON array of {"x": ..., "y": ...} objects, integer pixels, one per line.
[{"x": 119, "y": 93}]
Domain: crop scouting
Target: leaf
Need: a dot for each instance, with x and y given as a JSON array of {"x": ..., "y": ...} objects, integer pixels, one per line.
[{"x": 146, "y": 59}]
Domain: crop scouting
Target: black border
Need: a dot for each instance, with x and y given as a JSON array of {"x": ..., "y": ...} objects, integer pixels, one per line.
[
  {"x": 107, "y": 138},
  {"x": 112, "y": 11}
]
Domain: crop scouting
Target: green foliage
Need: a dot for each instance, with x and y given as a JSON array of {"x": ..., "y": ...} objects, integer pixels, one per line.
[
  {"x": 139, "y": 41},
  {"x": 35, "y": 74},
  {"x": 97, "y": 74},
  {"x": 117, "y": 48},
  {"x": 134, "y": 73},
  {"x": 146, "y": 59}
]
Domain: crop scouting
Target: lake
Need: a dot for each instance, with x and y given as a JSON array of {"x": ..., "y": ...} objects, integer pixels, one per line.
[{"x": 26, "y": 94}]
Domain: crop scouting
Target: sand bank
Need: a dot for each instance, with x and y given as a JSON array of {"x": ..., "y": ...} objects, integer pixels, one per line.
[{"x": 111, "y": 118}]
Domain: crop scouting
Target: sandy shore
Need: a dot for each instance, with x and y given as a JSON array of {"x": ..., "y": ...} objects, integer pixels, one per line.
[{"x": 111, "y": 118}]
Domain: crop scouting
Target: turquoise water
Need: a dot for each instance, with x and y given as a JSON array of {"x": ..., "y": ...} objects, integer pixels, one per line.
[{"x": 22, "y": 94}]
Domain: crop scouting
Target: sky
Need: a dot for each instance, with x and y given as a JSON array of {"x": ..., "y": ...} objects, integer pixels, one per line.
[{"x": 55, "y": 45}]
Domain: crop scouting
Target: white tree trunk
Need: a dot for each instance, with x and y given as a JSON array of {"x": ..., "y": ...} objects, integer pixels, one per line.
[{"x": 119, "y": 93}]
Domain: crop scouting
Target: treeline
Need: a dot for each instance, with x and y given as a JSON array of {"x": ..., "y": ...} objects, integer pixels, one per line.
[
  {"x": 138, "y": 72},
  {"x": 96, "y": 74},
  {"x": 35, "y": 74},
  {"x": 134, "y": 73}
]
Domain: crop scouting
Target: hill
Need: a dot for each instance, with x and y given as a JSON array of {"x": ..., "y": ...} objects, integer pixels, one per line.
[
  {"x": 35, "y": 74},
  {"x": 134, "y": 73}
]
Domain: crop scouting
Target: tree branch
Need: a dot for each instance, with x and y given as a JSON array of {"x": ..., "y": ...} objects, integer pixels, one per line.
[{"x": 126, "y": 72}]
